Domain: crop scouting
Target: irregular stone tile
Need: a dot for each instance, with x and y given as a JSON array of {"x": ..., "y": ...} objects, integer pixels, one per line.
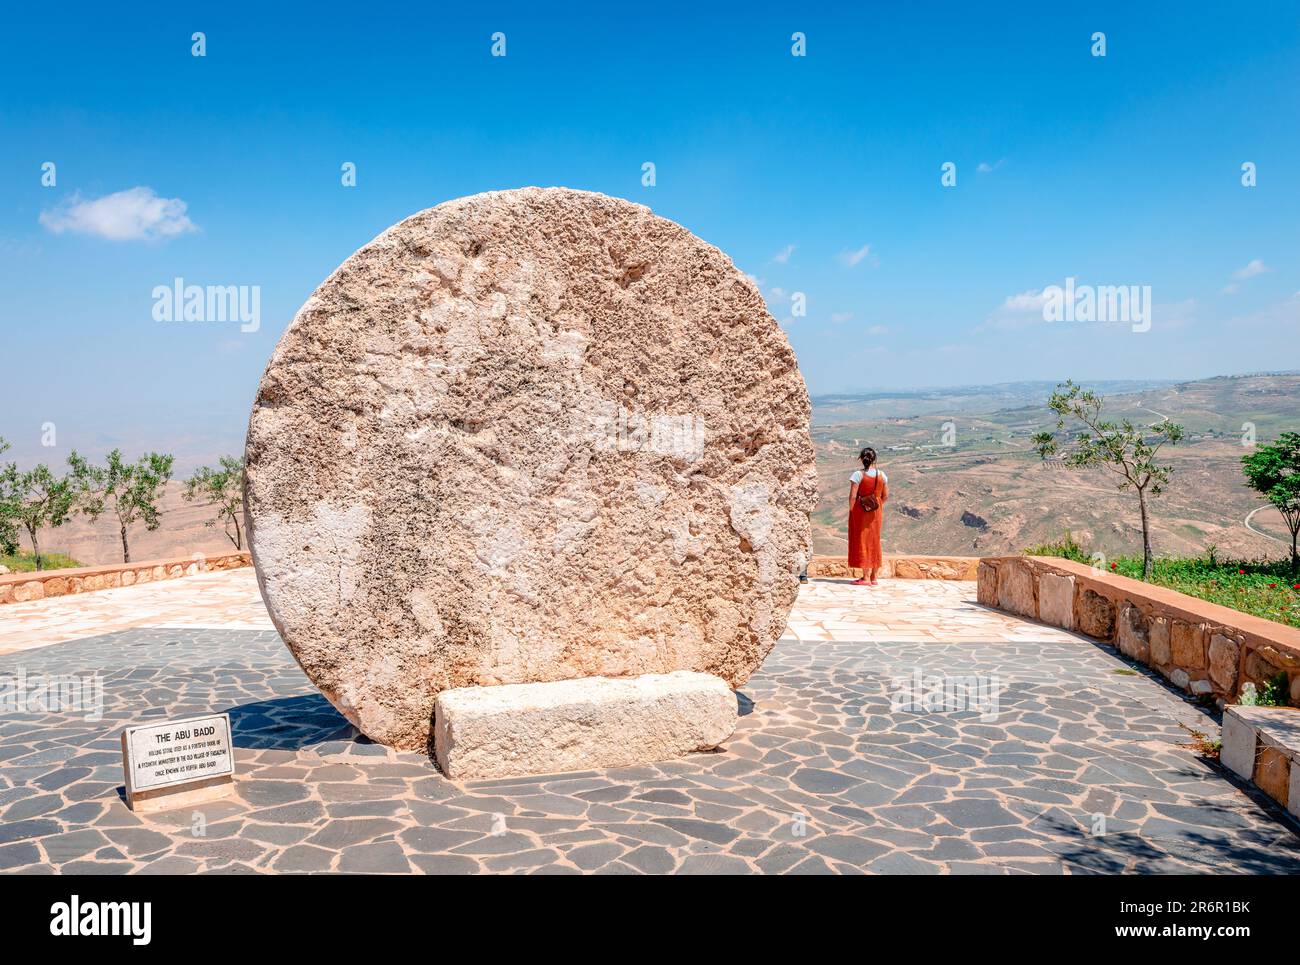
[
  {"x": 445, "y": 864},
  {"x": 382, "y": 857},
  {"x": 591, "y": 856},
  {"x": 304, "y": 857},
  {"x": 435, "y": 839},
  {"x": 138, "y": 841},
  {"x": 62, "y": 848},
  {"x": 342, "y": 832},
  {"x": 712, "y": 864},
  {"x": 854, "y": 850},
  {"x": 17, "y": 855},
  {"x": 704, "y": 830}
]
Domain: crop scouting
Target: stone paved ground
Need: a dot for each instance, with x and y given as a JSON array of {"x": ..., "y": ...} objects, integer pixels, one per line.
[
  {"x": 228, "y": 599},
  {"x": 822, "y": 776}
]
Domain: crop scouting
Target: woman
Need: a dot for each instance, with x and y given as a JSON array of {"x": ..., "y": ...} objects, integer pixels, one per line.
[{"x": 868, "y": 490}]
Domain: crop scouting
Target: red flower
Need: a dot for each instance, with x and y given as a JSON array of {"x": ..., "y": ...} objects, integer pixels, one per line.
[
  {"x": 1272, "y": 586},
  {"x": 1114, "y": 565},
  {"x": 1241, "y": 572}
]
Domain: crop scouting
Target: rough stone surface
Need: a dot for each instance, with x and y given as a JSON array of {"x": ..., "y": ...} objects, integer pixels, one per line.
[
  {"x": 1258, "y": 667},
  {"x": 1056, "y": 600},
  {"x": 1224, "y": 654},
  {"x": 1095, "y": 615},
  {"x": 1293, "y": 791},
  {"x": 1133, "y": 634},
  {"x": 933, "y": 568},
  {"x": 1158, "y": 632},
  {"x": 48, "y": 584},
  {"x": 1237, "y": 752},
  {"x": 986, "y": 584},
  {"x": 1279, "y": 658},
  {"x": 524, "y": 436},
  {"x": 32, "y": 590},
  {"x": 1273, "y": 773},
  {"x": 1016, "y": 589},
  {"x": 1187, "y": 644},
  {"x": 908, "y": 567},
  {"x": 572, "y": 725}
]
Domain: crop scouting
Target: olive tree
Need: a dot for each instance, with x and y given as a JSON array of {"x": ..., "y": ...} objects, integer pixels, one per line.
[
  {"x": 130, "y": 490},
  {"x": 1127, "y": 450},
  {"x": 1273, "y": 471},
  {"x": 8, "y": 514},
  {"x": 34, "y": 499},
  {"x": 223, "y": 489}
]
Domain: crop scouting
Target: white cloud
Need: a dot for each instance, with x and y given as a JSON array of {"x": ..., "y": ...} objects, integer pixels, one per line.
[
  {"x": 136, "y": 214},
  {"x": 878, "y": 330},
  {"x": 782, "y": 256},
  {"x": 985, "y": 168},
  {"x": 853, "y": 258},
  {"x": 1026, "y": 301},
  {"x": 1016, "y": 311},
  {"x": 1255, "y": 267},
  {"x": 839, "y": 318},
  {"x": 1230, "y": 289},
  {"x": 777, "y": 292}
]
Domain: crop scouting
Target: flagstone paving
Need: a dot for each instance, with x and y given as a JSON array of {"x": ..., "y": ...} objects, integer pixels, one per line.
[
  {"x": 1076, "y": 763},
  {"x": 228, "y": 599}
]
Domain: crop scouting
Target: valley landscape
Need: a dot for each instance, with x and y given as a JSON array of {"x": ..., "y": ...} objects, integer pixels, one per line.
[
  {"x": 986, "y": 493},
  {"x": 989, "y": 492}
]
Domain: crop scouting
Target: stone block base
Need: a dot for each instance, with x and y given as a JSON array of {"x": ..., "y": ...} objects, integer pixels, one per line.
[
  {"x": 1262, "y": 745},
  {"x": 514, "y": 730}
]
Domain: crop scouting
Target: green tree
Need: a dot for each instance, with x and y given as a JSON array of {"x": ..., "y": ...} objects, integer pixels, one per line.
[
  {"x": 33, "y": 499},
  {"x": 1273, "y": 471},
  {"x": 131, "y": 490},
  {"x": 222, "y": 489},
  {"x": 8, "y": 513},
  {"x": 1127, "y": 450}
]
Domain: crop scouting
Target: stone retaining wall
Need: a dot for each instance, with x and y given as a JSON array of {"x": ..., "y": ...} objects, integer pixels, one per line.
[
  {"x": 1201, "y": 647},
  {"x": 22, "y": 587},
  {"x": 902, "y": 567},
  {"x": 1262, "y": 745}
]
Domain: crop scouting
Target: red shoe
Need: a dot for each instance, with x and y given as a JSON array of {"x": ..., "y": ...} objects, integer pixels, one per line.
[{"x": 860, "y": 582}]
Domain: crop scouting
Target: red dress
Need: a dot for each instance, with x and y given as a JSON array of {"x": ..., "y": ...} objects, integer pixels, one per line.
[{"x": 864, "y": 527}]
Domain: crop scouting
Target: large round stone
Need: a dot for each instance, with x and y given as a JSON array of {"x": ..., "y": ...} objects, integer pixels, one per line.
[{"x": 525, "y": 436}]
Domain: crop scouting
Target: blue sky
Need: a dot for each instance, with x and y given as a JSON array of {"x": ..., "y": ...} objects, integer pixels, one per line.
[{"x": 817, "y": 174}]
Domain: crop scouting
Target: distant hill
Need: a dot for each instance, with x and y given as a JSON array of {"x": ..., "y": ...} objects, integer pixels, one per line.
[{"x": 990, "y": 493}]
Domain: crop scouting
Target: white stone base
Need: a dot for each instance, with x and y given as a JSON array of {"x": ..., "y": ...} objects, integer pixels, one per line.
[
  {"x": 515, "y": 730},
  {"x": 1237, "y": 752}
]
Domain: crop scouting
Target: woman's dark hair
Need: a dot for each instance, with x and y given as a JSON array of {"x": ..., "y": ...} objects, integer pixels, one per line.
[{"x": 868, "y": 457}]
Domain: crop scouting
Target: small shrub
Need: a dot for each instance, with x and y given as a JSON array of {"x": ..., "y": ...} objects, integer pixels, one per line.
[
  {"x": 26, "y": 562},
  {"x": 1067, "y": 547},
  {"x": 1203, "y": 743},
  {"x": 1274, "y": 691}
]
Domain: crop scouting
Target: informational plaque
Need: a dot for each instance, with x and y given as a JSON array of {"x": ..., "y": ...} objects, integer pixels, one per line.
[{"x": 164, "y": 764}]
